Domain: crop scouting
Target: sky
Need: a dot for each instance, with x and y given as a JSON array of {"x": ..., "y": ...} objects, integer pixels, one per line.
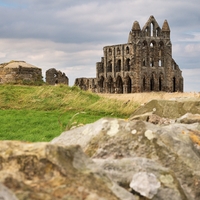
[{"x": 69, "y": 35}]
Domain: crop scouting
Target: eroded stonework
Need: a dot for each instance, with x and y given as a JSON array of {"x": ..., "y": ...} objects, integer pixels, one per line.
[
  {"x": 54, "y": 76},
  {"x": 143, "y": 64},
  {"x": 86, "y": 84},
  {"x": 19, "y": 72}
]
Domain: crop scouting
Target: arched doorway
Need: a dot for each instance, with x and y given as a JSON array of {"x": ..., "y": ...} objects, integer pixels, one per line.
[
  {"x": 128, "y": 66},
  {"x": 152, "y": 84},
  {"x": 144, "y": 84},
  {"x": 101, "y": 84},
  {"x": 160, "y": 84},
  {"x": 129, "y": 85},
  {"x": 174, "y": 84},
  {"x": 119, "y": 85},
  {"x": 118, "y": 67},
  {"x": 110, "y": 88}
]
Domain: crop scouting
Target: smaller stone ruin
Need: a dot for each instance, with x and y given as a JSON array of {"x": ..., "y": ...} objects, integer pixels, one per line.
[
  {"x": 54, "y": 77},
  {"x": 20, "y": 72},
  {"x": 86, "y": 83}
]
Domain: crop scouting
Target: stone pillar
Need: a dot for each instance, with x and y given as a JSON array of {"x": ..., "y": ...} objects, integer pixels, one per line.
[
  {"x": 113, "y": 63},
  {"x": 105, "y": 61}
]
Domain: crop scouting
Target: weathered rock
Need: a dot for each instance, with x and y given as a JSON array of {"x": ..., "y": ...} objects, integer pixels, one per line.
[
  {"x": 143, "y": 117},
  {"x": 189, "y": 118},
  {"x": 153, "y": 118},
  {"x": 174, "y": 146},
  {"x": 45, "y": 171},
  {"x": 171, "y": 109},
  {"x": 122, "y": 171},
  {"x": 145, "y": 183},
  {"x": 6, "y": 194}
]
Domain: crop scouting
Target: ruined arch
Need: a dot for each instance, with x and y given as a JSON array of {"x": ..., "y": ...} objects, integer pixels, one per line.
[
  {"x": 119, "y": 85},
  {"x": 93, "y": 83},
  {"x": 118, "y": 51},
  {"x": 157, "y": 32},
  {"x": 143, "y": 62},
  {"x": 144, "y": 53},
  {"x": 152, "y": 29},
  {"x": 101, "y": 84},
  {"x": 147, "y": 31},
  {"x": 144, "y": 43},
  {"x": 129, "y": 84},
  {"x": 144, "y": 83},
  {"x": 161, "y": 82},
  {"x": 152, "y": 83},
  {"x": 151, "y": 62},
  {"x": 174, "y": 84},
  {"x": 128, "y": 65},
  {"x": 152, "y": 44},
  {"x": 54, "y": 76},
  {"x": 161, "y": 44},
  {"x": 160, "y": 63},
  {"x": 118, "y": 67},
  {"x": 110, "y": 85},
  {"x": 127, "y": 50},
  {"x": 110, "y": 52},
  {"x": 161, "y": 54},
  {"x": 109, "y": 66}
]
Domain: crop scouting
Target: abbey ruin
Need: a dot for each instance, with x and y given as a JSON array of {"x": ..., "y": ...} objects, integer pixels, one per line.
[{"x": 143, "y": 64}]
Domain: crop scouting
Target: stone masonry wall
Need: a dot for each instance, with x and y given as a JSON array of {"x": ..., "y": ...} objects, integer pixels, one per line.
[
  {"x": 143, "y": 64},
  {"x": 54, "y": 76},
  {"x": 16, "y": 73}
]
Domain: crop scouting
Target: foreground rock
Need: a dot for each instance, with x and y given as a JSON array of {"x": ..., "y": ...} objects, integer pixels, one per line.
[
  {"x": 125, "y": 149},
  {"x": 6, "y": 194},
  {"x": 171, "y": 109},
  {"x": 153, "y": 155},
  {"x": 42, "y": 171}
]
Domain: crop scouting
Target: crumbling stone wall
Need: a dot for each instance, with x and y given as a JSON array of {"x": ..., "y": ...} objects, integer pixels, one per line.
[
  {"x": 54, "y": 76},
  {"x": 143, "y": 64},
  {"x": 19, "y": 72},
  {"x": 86, "y": 84}
]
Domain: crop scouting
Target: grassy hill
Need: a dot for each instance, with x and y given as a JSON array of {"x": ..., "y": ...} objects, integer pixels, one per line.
[{"x": 40, "y": 113}]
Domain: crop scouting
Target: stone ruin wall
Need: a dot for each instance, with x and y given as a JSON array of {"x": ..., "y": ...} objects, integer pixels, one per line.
[
  {"x": 87, "y": 84},
  {"x": 20, "y": 72},
  {"x": 143, "y": 64},
  {"x": 20, "y": 75},
  {"x": 54, "y": 77}
]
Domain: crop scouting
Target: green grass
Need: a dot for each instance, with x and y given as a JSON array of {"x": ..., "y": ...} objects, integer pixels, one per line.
[
  {"x": 40, "y": 113},
  {"x": 31, "y": 125}
]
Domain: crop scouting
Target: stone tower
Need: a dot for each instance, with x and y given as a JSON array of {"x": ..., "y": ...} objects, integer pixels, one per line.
[{"x": 143, "y": 64}]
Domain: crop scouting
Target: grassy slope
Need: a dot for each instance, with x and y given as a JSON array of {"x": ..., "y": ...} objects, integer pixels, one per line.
[{"x": 39, "y": 113}]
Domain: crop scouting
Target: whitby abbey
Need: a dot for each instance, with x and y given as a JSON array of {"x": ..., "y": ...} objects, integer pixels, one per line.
[{"x": 143, "y": 64}]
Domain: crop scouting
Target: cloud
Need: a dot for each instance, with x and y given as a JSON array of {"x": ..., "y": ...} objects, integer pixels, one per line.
[{"x": 74, "y": 60}]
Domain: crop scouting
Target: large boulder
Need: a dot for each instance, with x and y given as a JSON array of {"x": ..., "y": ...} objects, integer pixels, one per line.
[
  {"x": 125, "y": 148},
  {"x": 43, "y": 171}
]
